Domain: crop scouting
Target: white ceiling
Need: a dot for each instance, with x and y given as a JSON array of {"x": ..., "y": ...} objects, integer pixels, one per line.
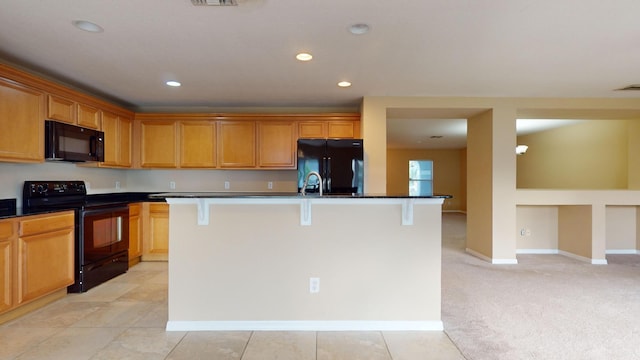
[{"x": 244, "y": 56}]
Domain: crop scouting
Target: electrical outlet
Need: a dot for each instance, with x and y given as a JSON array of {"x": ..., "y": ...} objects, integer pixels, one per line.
[
  {"x": 172, "y": 185},
  {"x": 227, "y": 185},
  {"x": 314, "y": 285},
  {"x": 117, "y": 185},
  {"x": 270, "y": 185}
]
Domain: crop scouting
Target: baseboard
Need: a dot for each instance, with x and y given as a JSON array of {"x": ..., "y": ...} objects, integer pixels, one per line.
[
  {"x": 537, "y": 251},
  {"x": 623, "y": 251},
  {"x": 583, "y": 258},
  {"x": 305, "y": 326},
  {"x": 493, "y": 261}
]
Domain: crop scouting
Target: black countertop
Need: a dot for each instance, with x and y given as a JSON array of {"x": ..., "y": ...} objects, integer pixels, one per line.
[
  {"x": 91, "y": 200},
  {"x": 287, "y": 195}
]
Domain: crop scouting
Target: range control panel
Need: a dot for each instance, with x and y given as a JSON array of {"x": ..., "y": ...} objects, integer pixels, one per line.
[{"x": 36, "y": 189}]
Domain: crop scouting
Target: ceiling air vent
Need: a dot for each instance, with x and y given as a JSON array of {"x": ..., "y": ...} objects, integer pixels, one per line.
[
  {"x": 214, "y": 2},
  {"x": 631, "y": 87}
]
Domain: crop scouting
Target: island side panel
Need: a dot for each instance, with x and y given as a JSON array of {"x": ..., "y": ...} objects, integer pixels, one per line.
[{"x": 253, "y": 263}]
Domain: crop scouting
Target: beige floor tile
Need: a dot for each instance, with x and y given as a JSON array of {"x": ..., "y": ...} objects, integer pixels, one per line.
[
  {"x": 108, "y": 291},
  {"x": 142, "y": 343},
  {"x": 351, "y": 345},
  {"x": 265, "y": 345},
  {"x": 116, "y": 314},
  {"x": 14, "y": 341},
  {"x": 157, "y": 316},
  {"x": 72, "y": 344},
  {"x": 58, "y": 314},
  {"x": 211, "y": 345},
  {"x": 147, "y": 292},
  {"x": 421, "y": 345}
]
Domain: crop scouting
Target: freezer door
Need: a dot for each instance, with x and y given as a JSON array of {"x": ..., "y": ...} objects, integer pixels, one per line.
[
  {"x": 344, "y": 166},
  {"x": 311, "y": 157}
]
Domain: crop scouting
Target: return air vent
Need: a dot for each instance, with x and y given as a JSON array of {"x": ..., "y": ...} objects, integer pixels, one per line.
[
  {"x": 214, "y": 2},
  {"x": 631, "y": 87}
]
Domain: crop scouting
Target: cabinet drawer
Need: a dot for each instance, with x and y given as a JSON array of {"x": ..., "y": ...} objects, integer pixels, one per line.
[{"x": 43, "y": 223}]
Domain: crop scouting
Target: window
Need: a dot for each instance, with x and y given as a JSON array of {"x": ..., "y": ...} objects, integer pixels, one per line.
[{"x": 420, "y": 177}]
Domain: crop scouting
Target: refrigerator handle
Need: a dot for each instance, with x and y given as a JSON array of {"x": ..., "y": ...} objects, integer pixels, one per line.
[{"x": 328, "y": 175}]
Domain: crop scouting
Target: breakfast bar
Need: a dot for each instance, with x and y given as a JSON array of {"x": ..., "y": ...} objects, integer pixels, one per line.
[{"x": 282, "y": 261}]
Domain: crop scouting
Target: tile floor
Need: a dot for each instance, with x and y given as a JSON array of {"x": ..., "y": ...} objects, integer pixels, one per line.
[{"x": 125, "y": 318}]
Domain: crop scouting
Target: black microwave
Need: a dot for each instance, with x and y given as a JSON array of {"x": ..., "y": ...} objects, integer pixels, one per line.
[{"x": 65, "y": 142}]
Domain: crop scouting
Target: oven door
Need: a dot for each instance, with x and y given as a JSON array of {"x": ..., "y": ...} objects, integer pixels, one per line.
[{"x": 106, "y": 232}]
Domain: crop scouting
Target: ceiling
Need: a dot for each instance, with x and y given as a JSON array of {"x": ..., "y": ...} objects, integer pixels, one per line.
[{"x": 244, "y": 56}]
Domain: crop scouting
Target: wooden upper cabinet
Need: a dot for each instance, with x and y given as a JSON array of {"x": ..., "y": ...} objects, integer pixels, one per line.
[
  {"x": 61, "y": 109},
  {"x": 312, "y": 129},
  {"x": 236, "y": 144},
  {"x": 117, "y": 140},
  {"x": 337, "y": 129},
  {"x": 331, "y": 129},
  {"x": 88, "y": 116},
  {"x": 72, "y": 112},
  {"x": 158, "y": 144},
  {"x": 277, "y": 144},
  {"x": 197, "y": 144},
  {"x": 22, "y": 123}
]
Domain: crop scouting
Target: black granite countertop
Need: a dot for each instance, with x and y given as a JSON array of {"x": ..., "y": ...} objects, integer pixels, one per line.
[
  {"x": 91, "y": 200},
  {"x": 286, "y": 195}
]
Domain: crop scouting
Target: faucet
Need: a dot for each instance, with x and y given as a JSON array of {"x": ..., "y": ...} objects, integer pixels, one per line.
[{"x": 306, "y": 182}]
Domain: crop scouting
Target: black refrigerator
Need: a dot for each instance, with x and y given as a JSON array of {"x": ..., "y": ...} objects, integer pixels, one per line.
[{"x": 338, "y": 161}]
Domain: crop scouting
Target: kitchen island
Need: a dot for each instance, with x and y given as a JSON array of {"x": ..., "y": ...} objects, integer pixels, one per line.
[{"x": 281, "y": 261}]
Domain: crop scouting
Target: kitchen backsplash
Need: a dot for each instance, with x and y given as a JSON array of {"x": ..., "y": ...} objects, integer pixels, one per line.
[{"x": 100, "y": 180}]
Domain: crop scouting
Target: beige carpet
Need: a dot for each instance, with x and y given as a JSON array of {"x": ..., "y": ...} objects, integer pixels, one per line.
[{"x": 546, "y": 307}]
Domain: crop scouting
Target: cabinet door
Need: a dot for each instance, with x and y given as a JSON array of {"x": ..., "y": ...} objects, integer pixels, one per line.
[
  {"x": 60, "y": 109},
  {"x": 117, "y": 140},
  {"x": 135, "y": 231},
  {"x": 155, "y": 232},
  {"x": 237, "y": 144},
  {"x": 312, "y": 129},
  {"x": 45, "y": 255},
  {"x": 88, "y": 116},
  {"x": 124, "y": 145},
  {"x": 110, "y": 129},
  {"x": 197, "y": 144},
  {"x": 7, "y": 264},
  {"x": 22, "y": 123},
  {"x": 158, "y": 144},
  {"x": 342, "y": 130},
  {"x": 277, "y": 144}
]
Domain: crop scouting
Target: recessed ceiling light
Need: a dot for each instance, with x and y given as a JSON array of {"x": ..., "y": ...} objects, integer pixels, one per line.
[
  {"x": 359, "y": 29},
  {"x": 173, "y": 83},
  {"x": 344, "y": 84},
  {"x": 304, "y": 57},
  {"x": 87, "y": 26}
]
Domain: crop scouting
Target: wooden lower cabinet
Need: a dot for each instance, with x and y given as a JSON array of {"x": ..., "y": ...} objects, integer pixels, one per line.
[
  {"x": 135, "y": 233},
  {"x": 36, "y": 261},
  {"x": 8, "y": 257},
  {"x": 45, "y": 255},
  {"x": 155, "y": 232}
]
